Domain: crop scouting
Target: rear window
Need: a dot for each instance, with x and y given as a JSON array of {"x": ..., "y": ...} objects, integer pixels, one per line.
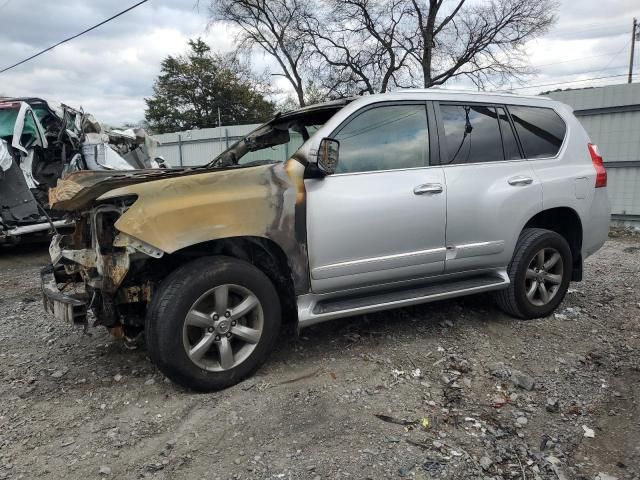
[
  {"x": 541, "y": 130},
  {"x": 472, "y": 134}
]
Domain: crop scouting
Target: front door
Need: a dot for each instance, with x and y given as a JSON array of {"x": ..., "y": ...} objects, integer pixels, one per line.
[
  {"x": 381, "y": 217},
  {"x": 491, "y": 190}
]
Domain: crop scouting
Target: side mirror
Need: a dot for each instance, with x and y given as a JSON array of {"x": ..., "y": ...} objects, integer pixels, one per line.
[{"x": 328, "y": 155}]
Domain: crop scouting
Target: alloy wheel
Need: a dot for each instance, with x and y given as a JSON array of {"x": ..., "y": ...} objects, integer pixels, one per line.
[
  {"x": 223, "y": 327},
  {"x": 544, "y": 276}
]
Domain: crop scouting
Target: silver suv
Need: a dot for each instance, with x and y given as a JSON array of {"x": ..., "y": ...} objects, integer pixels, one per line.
[{"x": 385, "y": 201}]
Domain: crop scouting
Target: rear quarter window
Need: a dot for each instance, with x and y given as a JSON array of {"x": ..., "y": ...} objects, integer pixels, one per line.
[{"x": 541, "y": 130}]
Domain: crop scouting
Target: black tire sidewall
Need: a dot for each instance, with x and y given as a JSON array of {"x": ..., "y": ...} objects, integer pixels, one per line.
[
  {"x": 177, "y": 295},
  {"x": 547, "y": 239}
]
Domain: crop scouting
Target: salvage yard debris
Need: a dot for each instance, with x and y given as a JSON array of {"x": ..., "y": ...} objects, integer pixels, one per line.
[{"x": 41, "y": 142}]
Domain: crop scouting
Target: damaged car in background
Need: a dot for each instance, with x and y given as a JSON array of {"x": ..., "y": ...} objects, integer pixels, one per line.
[{"x": 41, "y": 142}]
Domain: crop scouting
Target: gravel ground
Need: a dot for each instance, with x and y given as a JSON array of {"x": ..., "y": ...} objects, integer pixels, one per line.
[{"x": 453, "y": 389}]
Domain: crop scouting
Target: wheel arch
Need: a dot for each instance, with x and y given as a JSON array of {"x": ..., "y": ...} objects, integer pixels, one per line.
[
  {"x": 261, "y": 252},
  {"x": 566, "y": 222}
]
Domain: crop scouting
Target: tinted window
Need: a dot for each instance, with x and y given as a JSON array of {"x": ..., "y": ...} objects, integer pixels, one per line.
[
  {"x": 509, "y": 143},
  {"x": 471, "y": 133},
  {"x": 541, "y": 130},
  {"x": 384, "y": 138}
]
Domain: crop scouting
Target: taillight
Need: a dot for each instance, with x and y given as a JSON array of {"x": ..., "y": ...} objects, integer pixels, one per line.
[{"x": 598, "y": 164}]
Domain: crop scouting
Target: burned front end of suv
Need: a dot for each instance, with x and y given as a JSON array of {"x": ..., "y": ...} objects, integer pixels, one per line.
[
  {"x": 131, "y": 230},
  {"x": 134, "y": 229},
  {"x": 97, "y": 269}
]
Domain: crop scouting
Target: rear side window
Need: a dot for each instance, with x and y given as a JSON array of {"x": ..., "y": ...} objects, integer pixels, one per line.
[
  {"x": 541, "y": 130},
  {"x": 472, "y": 134},
  {"x": 509, "y": 142}
]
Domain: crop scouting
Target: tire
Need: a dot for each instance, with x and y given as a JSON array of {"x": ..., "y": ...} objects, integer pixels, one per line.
[
  {"x": 188, "y": 310},
  {"x": 525, "y": 297}
]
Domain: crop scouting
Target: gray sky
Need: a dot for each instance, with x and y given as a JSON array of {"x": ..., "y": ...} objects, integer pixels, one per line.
[{"x": 110, "y": 70}]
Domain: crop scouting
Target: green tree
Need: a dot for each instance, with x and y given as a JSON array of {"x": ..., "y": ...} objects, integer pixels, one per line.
[{"x": 191, "y": 88}]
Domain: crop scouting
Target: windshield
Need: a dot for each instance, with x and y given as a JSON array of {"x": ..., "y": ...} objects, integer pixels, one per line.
[
  {"x": 278, "y": 139},
  {"x": 7, "y": 121},
  {"x": 279, "y": 153}
]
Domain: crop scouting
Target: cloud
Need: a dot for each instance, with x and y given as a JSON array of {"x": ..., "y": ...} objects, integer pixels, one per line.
[{"x": 110, "y": 70}]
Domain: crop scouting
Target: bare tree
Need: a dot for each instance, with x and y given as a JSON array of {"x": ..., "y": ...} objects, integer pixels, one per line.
[
  {"x": 368, "y": 46},
  {"x": 483, "y": 42},
  {"x": 359, "y": 44},
  {"x": 272, "y": 25}
]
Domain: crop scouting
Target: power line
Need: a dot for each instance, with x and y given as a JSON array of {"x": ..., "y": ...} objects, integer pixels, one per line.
[
  {"x": 614, "y": 57},
  {"x": 570, "y": 81},
  {"x": 73, "y": 37},
  {"x": 573, "y": 60},
  {"x": 572, "y": 33},
  {"x": 7, "y": 2}
]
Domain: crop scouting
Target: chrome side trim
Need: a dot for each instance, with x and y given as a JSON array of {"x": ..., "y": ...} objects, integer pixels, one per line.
[
  {"x": 475, "y": 249},
  {"x": 379, "y": 263},
  {"x": 307, "y": 303}
]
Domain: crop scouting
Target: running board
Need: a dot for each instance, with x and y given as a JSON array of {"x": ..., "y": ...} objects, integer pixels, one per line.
[{"x": 314, "y": 309}]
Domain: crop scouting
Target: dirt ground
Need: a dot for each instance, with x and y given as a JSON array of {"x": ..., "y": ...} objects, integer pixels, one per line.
[{"x": 453, "y": 389}]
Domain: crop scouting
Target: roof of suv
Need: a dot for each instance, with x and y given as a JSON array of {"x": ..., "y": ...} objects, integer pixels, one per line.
[
  {"x": 459, "y": 96},
  {"x": 469, "y": 92}
]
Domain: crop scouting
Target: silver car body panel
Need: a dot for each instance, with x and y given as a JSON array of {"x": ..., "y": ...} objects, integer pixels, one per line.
[
  {"x": 368, "y": 233},
  {"x": 365, "y": 228},
  {"x": 483, "y": 209}
]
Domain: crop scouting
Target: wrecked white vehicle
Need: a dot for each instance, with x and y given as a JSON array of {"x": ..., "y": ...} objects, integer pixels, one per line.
[{"x": 41, "y": 142}]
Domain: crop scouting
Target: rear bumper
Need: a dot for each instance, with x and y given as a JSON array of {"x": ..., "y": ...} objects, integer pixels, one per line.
[
  {"x": 596, "y": 226},
  {"x": 68, "y": 306}
]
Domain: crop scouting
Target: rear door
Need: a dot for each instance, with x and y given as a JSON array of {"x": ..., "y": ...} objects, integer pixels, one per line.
[
  {"x": 381, "y": 217},
  {"x": 491, "y": 189}
]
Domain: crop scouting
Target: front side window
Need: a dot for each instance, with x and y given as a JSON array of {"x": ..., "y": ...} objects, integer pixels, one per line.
[
  {"x": 541, "y": 130},
  {"x": 472, "y": 134},
  {"x": 384, "y": 138}
]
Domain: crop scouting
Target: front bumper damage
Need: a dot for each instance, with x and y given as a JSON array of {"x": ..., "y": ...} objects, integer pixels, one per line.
[
  {"x": 93, "y": 273},
  {"x": 66, "y": 302}
]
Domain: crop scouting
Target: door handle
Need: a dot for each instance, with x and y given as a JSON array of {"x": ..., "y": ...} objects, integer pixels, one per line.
[
  {"x": 427, "y": 188},
  {"x": 520, "y": 180}
]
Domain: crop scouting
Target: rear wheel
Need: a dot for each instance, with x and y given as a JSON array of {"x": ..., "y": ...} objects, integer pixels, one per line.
[
  {"x": 212, "y": 323},
  {"x": 540, "y": 272}
]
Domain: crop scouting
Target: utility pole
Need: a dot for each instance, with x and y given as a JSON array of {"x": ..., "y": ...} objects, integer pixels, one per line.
[{"x": 633, "y": 45}]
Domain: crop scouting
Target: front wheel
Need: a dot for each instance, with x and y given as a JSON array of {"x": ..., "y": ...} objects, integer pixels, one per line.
[
  {"x": 212, "y": 323},
  {"x": 540, "y": 272}
]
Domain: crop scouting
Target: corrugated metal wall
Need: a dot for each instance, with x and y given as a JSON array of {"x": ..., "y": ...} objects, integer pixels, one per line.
[
  {"x": 617, "y": 134},
  {"x": 198, "y": 147},
  {"x": 611, "y": 115},
  {"x": 623, "y": 185}
]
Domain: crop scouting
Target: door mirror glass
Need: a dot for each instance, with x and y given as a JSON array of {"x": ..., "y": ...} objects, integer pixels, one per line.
[{"x": 328, "y": 155}]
